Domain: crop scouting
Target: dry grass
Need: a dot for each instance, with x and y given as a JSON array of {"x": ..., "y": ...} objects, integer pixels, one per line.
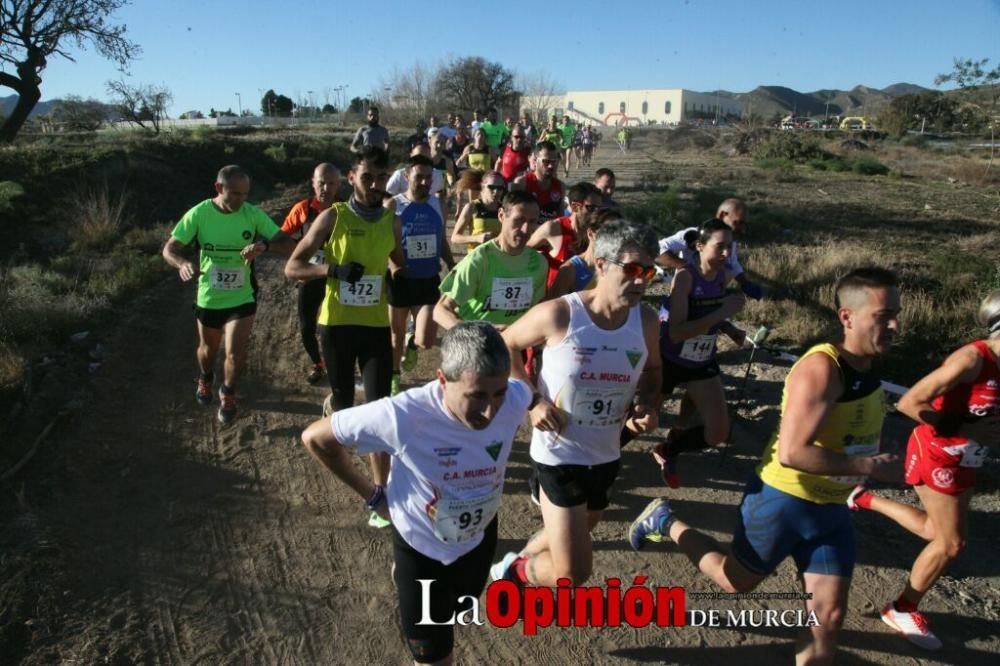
[{"x": 102, "y": 219}]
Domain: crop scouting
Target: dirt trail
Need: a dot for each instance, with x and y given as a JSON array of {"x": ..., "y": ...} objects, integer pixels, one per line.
[{"x": 180, "y": 541}]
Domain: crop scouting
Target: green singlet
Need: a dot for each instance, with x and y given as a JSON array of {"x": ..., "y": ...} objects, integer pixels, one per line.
[{"x": 225, "y": 280}]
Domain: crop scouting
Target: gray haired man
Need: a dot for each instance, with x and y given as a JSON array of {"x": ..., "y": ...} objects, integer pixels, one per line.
[{"x": 449, "y": 440}]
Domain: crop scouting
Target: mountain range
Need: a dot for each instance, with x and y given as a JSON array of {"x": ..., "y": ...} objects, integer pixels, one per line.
[{"x": 764, "y": 101}]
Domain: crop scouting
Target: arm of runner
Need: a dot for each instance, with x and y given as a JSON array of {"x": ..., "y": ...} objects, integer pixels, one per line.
[
  {"x": 670, "y": 260},
  {"x": 962, "y": 367},
  {"x": 446, "y": 312},
  {"x": 298, "y": 266},
  {"x": 645, "y": 414},
  {"x": 446, "y": 255},
  {"x": 679, "y": 327},
  {"x": 563, "y": 284},
  {"x": 812, "y": 389},
  {"x": 356, "y": 144},
  {"x": 464, "y": 221},
  {"x": 540, "y": 324},
  {"x": 547, "y": 236},
  {"x": 319, "y": 441},
  {"x": 463, "y": 159},
  {"x": 397, "y": 259},
  {"x": 172, "y": 255},
  {"x": 279, "y": 243}
]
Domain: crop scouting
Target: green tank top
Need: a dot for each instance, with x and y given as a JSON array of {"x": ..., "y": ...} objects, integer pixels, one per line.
[
  {"x": 363, "y": 303},
  {"x": 492, "y": 286},
  {"x": 853, "y": 427}
]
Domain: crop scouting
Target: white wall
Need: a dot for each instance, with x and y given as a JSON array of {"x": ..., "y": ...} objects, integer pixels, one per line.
[{"x": 669, "y": 105}]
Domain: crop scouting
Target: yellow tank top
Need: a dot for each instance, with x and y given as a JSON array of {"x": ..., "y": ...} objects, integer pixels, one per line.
[
  {"x": 483, "y": 220},
  {"x": 480, "y": 161},
  {"x": 853, "y": 427},
  {"x": 363, "y": 303}
]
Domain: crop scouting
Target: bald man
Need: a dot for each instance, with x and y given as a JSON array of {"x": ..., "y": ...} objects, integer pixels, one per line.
[
  {"x": 325, "y": 184},
  {"x": 676, "y": 250}
]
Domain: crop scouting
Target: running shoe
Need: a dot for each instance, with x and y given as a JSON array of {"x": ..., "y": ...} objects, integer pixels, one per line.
[
  {"x": 651, "y": 525},
  {"x": 668, "y": 466},
  {"x": 409, "y": 354},
  {"x": 502, "y": 569},
  {"x": 316, "y": 375},
  {"x": 913, "y": 626},
  {"x": 858, "y": 491},
  {"x": 397, "y": 384},
  {"x": 227, "y": 410},
  {"x": 203, "y": 394},
  {"x": 377, "y": 521}
]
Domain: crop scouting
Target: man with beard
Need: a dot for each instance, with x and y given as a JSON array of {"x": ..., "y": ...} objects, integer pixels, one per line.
[
  {"x": 357, "y": 238},
  {"x": 542, "y": 183},
  {"x": 371, "y": 135},
  {"x": 560, "y": 238},
  {"x": 514, "y": 161}
]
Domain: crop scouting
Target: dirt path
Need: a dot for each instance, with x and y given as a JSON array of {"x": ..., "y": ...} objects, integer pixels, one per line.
[{"x": 170, "y": 539}]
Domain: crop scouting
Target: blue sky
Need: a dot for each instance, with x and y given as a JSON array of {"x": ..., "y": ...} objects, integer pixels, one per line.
[{"x": 207, "y": 51}]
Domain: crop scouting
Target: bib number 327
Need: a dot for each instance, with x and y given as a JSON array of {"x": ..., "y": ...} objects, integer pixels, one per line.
[{"x": 227, "y": 278}]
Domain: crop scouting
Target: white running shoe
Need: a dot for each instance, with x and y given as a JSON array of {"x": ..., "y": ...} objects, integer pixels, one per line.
[
  {"x": 913, "y": 626},
  {"x": 499, "y": 570}
]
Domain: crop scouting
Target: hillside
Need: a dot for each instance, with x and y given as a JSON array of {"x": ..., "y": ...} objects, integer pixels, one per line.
[{"x": 766, "y": 101}]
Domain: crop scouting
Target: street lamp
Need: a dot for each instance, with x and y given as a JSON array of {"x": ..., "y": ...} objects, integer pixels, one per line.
[
  {"x": 312, "y": 106},
  {"x": 239, "y": 103}
]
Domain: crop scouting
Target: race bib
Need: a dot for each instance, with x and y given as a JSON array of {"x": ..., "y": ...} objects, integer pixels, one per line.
[
  {"x": 699, "y": 348},
  {"x": 511, "y": 294},
  {"x": 870, "y": 449},
  {"x": 366, "y": 291},
  {"x": 421, "y": 247},
  {"x": 458, "y": 520},
  {"x": 226, "y": 278},
  {"x": 599, "y": 407},
  {"x": 318, "y": 258},
  {"x": 972, "y": 453}
]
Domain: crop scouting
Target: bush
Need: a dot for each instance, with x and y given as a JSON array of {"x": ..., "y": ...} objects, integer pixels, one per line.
[
  {"x": 868, "y": 166},
  {"x": 774, "y": 163},
  {"x": 277, "y": 153},
  {"x": 794, "y": 146},
  {"x": 102, "y": 219},
  {"x": 9, "y": 191},
  {"x": 914, "y": 140}
]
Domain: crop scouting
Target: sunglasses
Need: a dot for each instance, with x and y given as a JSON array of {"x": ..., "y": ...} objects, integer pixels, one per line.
[
  {"x": 496, "y": 188},
  {"x": 634, "y": 270}
]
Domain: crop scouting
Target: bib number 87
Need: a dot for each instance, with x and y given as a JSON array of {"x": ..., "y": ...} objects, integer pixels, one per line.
[
  {"x": 512, "y": 293},
  {"x": 470, "y": 519}
]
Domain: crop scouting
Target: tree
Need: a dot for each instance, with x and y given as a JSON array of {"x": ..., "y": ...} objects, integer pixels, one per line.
[
  {"x": 359, "y": 104},
  {"x": 329, "y": 109},
  {"x": 466, "y": 84},
  {"x": 540, "y": 95},
  {"x": 32, "y": 31},
  {"x": 273, "y": 104},
  {"x": 80, "y": 115},
  {"x": 409, "y": 88},
  {"x": 928, "y": 109},
  {"x": 144, "y": 105}
]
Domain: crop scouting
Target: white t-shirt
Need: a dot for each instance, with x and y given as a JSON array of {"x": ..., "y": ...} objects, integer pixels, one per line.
[
  {"x": 675, "y": 245},
  {"x": 399, "y": 183},
  {"x": 444, "y": 130},
  {"x": 446, "y": 479}
]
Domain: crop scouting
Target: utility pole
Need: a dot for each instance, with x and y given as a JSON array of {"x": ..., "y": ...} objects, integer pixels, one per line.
[{"x": 239, "y": 104}]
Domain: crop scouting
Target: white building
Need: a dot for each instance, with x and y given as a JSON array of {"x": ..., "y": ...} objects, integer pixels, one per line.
[{"x": 633, "y": 107}]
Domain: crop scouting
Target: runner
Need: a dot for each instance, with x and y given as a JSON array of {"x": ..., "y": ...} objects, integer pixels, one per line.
[
  {"x": 600, "y": 351},
  {"x": 957, "y": 410},
  {"x": 462, "y": 138},
  {"x": 444, "y": 517},
  {"x": 541, "y": 181},
  {"x": 358, "y": 239},
  {"x": 415, "y": 290},
  {"x": 397, "y": 182},
  {"x": 828, "y": 439},
  {"x": 495, "y": 133},
  {"x": 604, "y": 179},
  {"x": 568, "y": 131},
  {"x": 530, "y": 132},
  {"x": 371, "y": 135},
  {"x": 230, "y": 234},
  {"x": 674, "y": 250},
  {"x": 698, "y": 312},
  {"x": 564, "y": 237},
  {"x": 479, "y": 220},
  {"x": 325, "y": 184},
  {"x": 580, "y": 271},
  {"x": 499, "y": 280},
  {"x": 551, "y": 133},
  {"x": 587, "y": 145},
  {"x": 476, "y": 155},
  {"x": 514, "y": 161},
  {"x": 443, "y": 163}
]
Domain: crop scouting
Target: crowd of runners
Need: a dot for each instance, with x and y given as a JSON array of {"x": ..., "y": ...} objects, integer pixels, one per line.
[{"x": 543, "y": 318}]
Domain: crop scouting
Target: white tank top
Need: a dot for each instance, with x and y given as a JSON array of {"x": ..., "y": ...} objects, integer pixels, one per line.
[{"x": 591, "y": 376}]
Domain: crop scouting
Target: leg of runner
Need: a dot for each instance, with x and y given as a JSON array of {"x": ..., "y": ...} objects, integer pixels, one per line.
[
  {"x": 708, "y": 398},
  {"x": 310, "y": 298},
  {"x": 375, "y": 361},
  {"x": 237, "y": 339},
  {"x": 398, "y": 318},
  {"x": 563, "y": 548},
  {"x": 425, "y": 331},
  {"x": 209, "y": 340},
  {"x": 340, "y": 349},
  {"x": 818, "y": 645}
]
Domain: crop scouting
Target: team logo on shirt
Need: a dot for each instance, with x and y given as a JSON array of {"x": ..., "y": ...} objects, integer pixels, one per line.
[
  {"x": 494, "y": 449},
  {"x": 943, "y": 477},
  {"x": 634, "y": 355},
  {"x": 247, "y": 235},
  {"x": 449, "y": 451}
]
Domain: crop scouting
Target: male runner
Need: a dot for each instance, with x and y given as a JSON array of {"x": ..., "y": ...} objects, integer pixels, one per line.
[
  {"x": 230, "y": 234},
  {"x": 358, "y": 238},
  {"x": 604, "y": 180},
  {"x": 444, "y": 516},
  {"x": 600, "y": 352},
  {"x": 325, "y": 184},
  {"x": 675, "y": 251},
  {"x": 371, "y": 135},
  {"x": 541, "y": 181},
  {"x": 500, "y": 279},
  {"x": 515, "y": 160},
  {"x": 827, "y": 442},
  {"x": 561, "y": 238},
  {"x": 568, "y": 131},
  {"x": 495, "y": 132},
  {"x": 415, "y": 290}
]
